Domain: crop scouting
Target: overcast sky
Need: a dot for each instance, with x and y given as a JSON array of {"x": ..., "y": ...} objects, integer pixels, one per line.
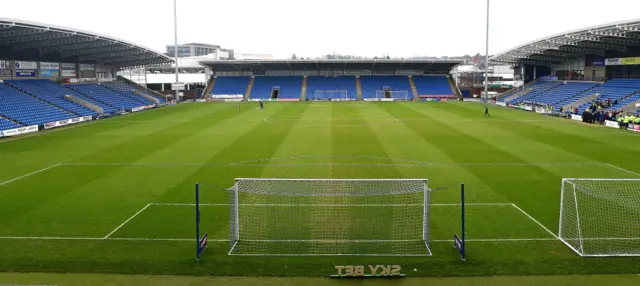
[{"x": 311, "y": 28}]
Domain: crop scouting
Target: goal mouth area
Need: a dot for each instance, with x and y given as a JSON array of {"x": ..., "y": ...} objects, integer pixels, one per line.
[{"x": 321, "y": 247}]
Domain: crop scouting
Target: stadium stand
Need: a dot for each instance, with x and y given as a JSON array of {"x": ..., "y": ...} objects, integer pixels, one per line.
[
  {"x": 231, "y": 85},
  {"x": 290, "y": 87},
  {"x": 55, "y": 88},
  {"x": 432, "y": 85},
  {"x": 538, "y": 88},
  {"x": 28, "y": 110},
  {"x": 105, "y": 95},
  {"x": 624, "y": 91},
  {"x": 372, "y": 84},
  {"x": 6, "y": 124},
  {"x": 566, "y": 93},
  {"x": 319, "y": 87},
  {"x": 34, "y": 88},
  {"x": 127, "y": 91}
]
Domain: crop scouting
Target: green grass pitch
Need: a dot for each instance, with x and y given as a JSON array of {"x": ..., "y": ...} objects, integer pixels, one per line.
[{"x": 115, "y": 196}]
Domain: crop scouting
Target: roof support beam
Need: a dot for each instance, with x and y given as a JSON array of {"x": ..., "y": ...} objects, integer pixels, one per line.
[{"x": 89, "y": 52}]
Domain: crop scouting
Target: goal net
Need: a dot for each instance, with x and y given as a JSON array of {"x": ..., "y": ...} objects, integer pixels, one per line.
[
  {"x": 313, "y": 217},
  {"x": 392, "y": 94},
  {"x": 601, "y": 217},
  {"x": 330, "y": 95}
]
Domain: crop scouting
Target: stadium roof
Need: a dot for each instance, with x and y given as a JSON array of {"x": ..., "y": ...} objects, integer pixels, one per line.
[
  {"x": 570, "y": 45},
  {"x": 431, "y": 65},
  {"x": 76, "y": 44}
]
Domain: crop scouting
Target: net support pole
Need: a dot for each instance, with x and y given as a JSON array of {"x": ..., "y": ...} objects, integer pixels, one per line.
[
  {"x": 464, "y": 247},
  {"x": 198, "y": 250}
]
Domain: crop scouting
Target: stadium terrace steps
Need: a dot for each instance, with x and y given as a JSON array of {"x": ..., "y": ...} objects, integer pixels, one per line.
[
  {"x": 247, "y": 92},
  {"x": 454, "y": 87},
  {"x": 303, "y": 90},
  {"x": 359, "y": 87},
  {"x": 29, "y": 89},
  {"x": 414, "y": 89},
  {"x": 210, "y": 83},
  {"x": 84, "y": 103}
]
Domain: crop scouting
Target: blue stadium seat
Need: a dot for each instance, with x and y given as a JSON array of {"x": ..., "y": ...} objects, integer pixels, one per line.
[
  {"x": 28, "y": 110},
  {"x": 290, "y": 86},
  {"x": 538, "y": 88},
  {"x": 127, "y": 91},
  {"x": 6, "y": 124},
  {"x": 59, "y": 89},
  {"x": 230, "y": 85},
  {"x": 372, "y": 84},
  {"x": 320, "y": 87},
  {"x": 38, "y": 89},
  {"x": 432, "y": 85},
  {"x": 565, "y": 94},
  {"x": 623, "y": 90},
  {"x": 106, "y": 96}
]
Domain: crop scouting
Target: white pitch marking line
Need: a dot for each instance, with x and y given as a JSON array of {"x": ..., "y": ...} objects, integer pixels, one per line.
[
  {"x": 126, "y": 221},
  {"x": 226, "y": 240},
  {"x": 536, "y": 221},
  {"x": 27, "y": 175},
  {"x": 49, "y": 238},
  {"x": 622, "y": 169}
]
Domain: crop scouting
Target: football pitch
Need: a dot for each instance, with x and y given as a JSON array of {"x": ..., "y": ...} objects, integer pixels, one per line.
[{"x": 117, "y": 195}]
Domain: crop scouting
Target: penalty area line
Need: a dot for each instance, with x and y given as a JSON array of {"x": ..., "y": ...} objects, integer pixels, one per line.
[
  {"x": 27, "y": 175},
  {"x": 126, "y": 221},
  {"x": 622, "y": 169}
]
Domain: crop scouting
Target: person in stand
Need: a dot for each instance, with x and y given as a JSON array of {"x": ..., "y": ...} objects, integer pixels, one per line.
[{"x": 486, "y": 111}]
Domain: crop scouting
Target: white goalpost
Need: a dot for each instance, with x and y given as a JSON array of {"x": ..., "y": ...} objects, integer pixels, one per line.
[
  {"x": 600, "y": 217},
  {"x": 329, "y": 217},
  {"x": 341, "y": 95},
  {"x": 392, "y": 94}
]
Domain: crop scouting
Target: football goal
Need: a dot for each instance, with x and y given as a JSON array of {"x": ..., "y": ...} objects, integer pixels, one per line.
[
  {"x": 392, "y": 94},
  {"x": 341, "y": 95},
  {"x": 330, "y": 217},
  {"x": 601, "y": 217}
]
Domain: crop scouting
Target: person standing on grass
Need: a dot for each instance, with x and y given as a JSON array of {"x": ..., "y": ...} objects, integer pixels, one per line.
[
  {"x": 261, "y": 104},
  {"x": 486, "y": 111}
]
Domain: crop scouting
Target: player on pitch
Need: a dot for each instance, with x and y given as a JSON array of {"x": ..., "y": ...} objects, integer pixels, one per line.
[
  {"x": 261, "y": 105},
  {"x": 486, "y": 111}
]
